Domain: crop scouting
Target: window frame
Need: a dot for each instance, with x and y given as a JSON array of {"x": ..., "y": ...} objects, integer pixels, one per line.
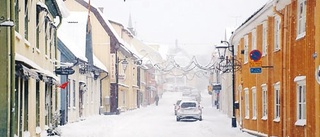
[
  {"x": 264, "y": 38},
  {"x": 17, "y": 14},
  {"x": 254, "y": 103},
  {"x": 254, "y": 39},
  {"x": 246, "y": 50},
  {"x": 74, "y": 93},
  {"x": 300, "y": 100},
  {"x": 277, "y": 33},
  {"x": 123, "y": 97},
  {"x": 301, "y": 18},
  {"x": 264, "y": 103},
  {"x": 26, "y": 19},
  {"x": 277, "y": 104},
  {"x": 246, "y": 103}
]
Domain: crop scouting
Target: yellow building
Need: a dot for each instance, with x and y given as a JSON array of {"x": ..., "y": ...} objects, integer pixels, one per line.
[
  {"x": 35, "y": 100},
  {"x": 110, "y": 47},
  {"x": 282, "y": 99}
]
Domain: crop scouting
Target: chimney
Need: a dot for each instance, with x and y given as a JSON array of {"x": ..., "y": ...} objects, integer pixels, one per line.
[{"x": 101, "y": 9}]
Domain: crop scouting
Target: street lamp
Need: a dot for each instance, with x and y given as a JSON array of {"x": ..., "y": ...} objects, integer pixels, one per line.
[
  {"x": 222, "y": 51},
  {"x": 124, "y": 63}
]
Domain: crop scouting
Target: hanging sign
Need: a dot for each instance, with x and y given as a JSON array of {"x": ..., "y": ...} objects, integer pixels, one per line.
[{"x": 64, "y": 71}]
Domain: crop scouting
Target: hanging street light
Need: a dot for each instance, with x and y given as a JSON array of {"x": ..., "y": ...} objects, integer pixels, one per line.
[{"x": 124, "y": 63}]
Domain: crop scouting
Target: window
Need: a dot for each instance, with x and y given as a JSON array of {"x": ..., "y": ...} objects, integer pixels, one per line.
[
  {"x": 264, "y": 38},
  {"x": 25, "y": 105},
  {"x": 123, "y": 98},
  {"x": 37, "y": 27},
  {"x": 55, "y": 45},
  {"x": 277, "y": 34},
  {"x": 246, "y": 102},
  {"x": 26, "y": 20},
  {"x": 46, "y": 36},
  {"x": 277, "y": 102},
  {"x": 38, "y": 103},
  {"x": 17, "y": 10},
  {"x": 301, "y": 28},
  {"x": 48, "y": 103},
  {"x": 246, "y": 48},
  {"x": 74, "y": 93},
  {"x": 254, "y": 103},
  {"x": 254, "y": 39},
  {"x": 264, "y": 101},
  {"x": 301, "y": 100},
  {"x": 188, "y": 105},
  {"x": 69, "y": 94},
  {"x": 51, "y": 30}
]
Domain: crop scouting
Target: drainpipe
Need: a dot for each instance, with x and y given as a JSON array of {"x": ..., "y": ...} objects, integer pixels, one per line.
[
  {"x": 100, "y": 111},
  {"x": 13, "y": 111},
  {"x": 60, "y": 21},
  {"x": 284, "y": 113}
]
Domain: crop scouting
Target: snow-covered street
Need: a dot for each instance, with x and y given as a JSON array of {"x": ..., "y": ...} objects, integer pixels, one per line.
[{"x": 156, "y": 121}]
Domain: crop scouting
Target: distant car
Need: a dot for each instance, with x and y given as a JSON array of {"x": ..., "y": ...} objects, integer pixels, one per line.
[
  {"x": 189, "y": 110},
  {"x": 176, "y": 106},
  {"x": 196, "y": 96}
]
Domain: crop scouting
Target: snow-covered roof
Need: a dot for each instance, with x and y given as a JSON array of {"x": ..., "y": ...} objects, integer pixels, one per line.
[
  {"x": 146, "y": 51},
  {"x": 134, "y": 51},
  {"x": 72, "y": 33},
  {"x": 99, "y": 64}
]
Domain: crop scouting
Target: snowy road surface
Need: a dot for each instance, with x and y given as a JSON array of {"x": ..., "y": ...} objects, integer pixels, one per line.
[{"x": 156, "y": 121}]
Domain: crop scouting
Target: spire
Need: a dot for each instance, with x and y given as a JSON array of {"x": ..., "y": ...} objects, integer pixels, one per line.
[
  {"x": 130, "y": 27},
  {"x": 130, "y": 22}
]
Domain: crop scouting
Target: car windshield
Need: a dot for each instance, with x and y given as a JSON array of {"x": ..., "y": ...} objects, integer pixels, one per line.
[{"x": 188, "y": 104}]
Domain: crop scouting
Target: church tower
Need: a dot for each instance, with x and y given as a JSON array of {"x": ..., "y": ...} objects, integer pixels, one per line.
[{"x": 130, "y": 27}]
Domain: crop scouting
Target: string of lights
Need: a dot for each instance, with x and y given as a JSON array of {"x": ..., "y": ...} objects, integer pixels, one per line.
[{"x": 171, "y": 64}]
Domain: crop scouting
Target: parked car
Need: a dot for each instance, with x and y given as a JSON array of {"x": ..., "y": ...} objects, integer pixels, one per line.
[
  {"x": 189, "y": 110},
  {"x": 176, "y": 106}
]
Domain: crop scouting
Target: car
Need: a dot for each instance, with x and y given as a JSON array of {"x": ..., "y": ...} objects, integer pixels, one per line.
[
  {"x": 196, "y": 96},
  {"x": 176, "y": 106},
  {"x": 189, "y": 109}
]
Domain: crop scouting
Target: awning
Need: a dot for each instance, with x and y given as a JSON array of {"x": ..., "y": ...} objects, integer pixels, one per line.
[
  {"x": 26, "y": 72},
  {"x": 36, "y": 67}
]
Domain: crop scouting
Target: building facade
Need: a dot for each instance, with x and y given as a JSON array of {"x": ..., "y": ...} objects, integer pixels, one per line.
[
  {"x": 82, "y": 96},
  {"x": 34, "y": 92},
  {"x": 282, "y": 99}
]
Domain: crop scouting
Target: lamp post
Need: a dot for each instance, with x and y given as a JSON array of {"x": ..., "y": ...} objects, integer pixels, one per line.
[
  {"x": 222, "y": 51},
  {"x": 115, "y": 90}
]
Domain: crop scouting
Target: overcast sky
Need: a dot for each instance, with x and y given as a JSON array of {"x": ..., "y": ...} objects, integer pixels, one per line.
[{"x": 195, "y": 24}]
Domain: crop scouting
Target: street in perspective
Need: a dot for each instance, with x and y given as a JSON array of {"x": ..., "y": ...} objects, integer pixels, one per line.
[
  {"x": 157, "y": 121},
  {"x": 160, "y": 68}
]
